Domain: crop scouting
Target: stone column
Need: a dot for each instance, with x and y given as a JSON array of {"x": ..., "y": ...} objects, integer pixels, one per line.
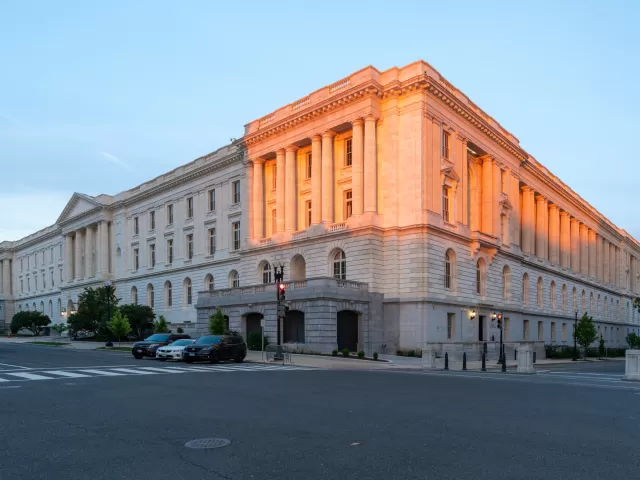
[
  {"x": 565, "y": 240},
  {"x": 487, "y": 196},
  {"x": 327, "y": 176},
  {"x": 616, "y": 280},
  {"x": 357, "y": 169},
  {"x": 554, "y": 234},
  {"x": 598, "y": 257},
  {"x": 258, "y": 198},
  {"x": 541, "y": 209},
  {"x": 88, "y": 253},
  {"x": 104, "y": 248},
  {"x": 6, "y": 277},
  {"x": 291, "y": 191},
  {"x": 462, "y": 166},
  {"x": 527, "y": 220},
  {"x": 280, "y": 189},
  {"x": 584, "y": 249},
  {"x": 514, "y": 199},
  {"x": 495, "y": 203},
  {"x": 77, "y": 256},
  {"x": 370, "y": 165},
  {"x": 316, "y": 179},
  {"x": 592, "y": 253},
  {"x": 2, "y": 292},
  {"x": 612, "y": 264},
  {"x": 68, "y": 258},
  {"x": 605, "y": 262},
  {"x": 247, "y": 226},
  {"x": 575, "y": 245}
]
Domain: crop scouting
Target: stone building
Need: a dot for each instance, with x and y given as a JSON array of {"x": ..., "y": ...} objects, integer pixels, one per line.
[{"x": 400, "y": 211}]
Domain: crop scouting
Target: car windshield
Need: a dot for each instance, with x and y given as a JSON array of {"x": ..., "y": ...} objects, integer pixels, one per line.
[
  {"x": 208, "y": 340},
  {"x": 181, "y": 343},
  {"x": 158, "y": 337}
]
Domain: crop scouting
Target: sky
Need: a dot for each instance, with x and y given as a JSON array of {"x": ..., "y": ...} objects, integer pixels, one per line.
[{"x": 98, "y": 97}]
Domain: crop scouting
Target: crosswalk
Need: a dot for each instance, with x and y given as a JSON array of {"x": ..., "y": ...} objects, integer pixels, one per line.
[{"x": 120, "y": 371}]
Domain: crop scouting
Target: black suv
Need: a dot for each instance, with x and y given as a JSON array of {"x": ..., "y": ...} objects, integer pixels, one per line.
[
  {"x": 150, "y": 345},
  {"x": 215, "y": 348}
]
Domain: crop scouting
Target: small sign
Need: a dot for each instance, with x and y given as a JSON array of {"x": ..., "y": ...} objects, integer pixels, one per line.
[{"x": 262, "y": 322}]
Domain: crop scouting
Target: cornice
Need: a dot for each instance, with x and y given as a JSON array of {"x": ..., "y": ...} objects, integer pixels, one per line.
[{"x": 47, "y": 236}]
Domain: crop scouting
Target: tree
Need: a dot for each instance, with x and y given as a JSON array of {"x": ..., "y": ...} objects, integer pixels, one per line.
[
  {"x": 636, "y": 303},
  {"x": 601, "y": 350},
  {"x": 161, "y": 325},
  {"x": 119, "y": 325},
  {"x": 586, "y": 332},
  {"x": 633, "y": 340},
  {"x": 216, "y": 323},
  {"x": 92, "y": 311},
  {"x": 140, "y": 318},
  {"x": 59, "y": 328},
  {"x": 33, "y": 321}
]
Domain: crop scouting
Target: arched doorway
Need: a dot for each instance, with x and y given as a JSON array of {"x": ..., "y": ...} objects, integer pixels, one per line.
[
  {"x": 298, "y": 268},
  {"x": 293, "y": 328},
  {"x": 347, "y": 330}
]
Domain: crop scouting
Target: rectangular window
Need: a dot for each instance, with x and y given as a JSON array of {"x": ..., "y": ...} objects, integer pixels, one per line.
[
  {"x": 169, "y": 293},
  {"x": 190, "y": 246},
  {"x": 503, "y": 181},
  {"x": 274, "y": 177},
  {"x": 553, "y": 331},
  {"x": 307, "y": 209},
  {"x": 53, "y": 283},
  {"x": 152, "y": 220},
  {"x": 308, "y": 165},
  {"x": 525, "y": 330},
  {"x": 169, "y": 215},
  {"x": 348, "y": 205},
  {"x": 136, "y": 259},
  {"x": 564, "y": 332},
  {"x": 540, "y": 332},
  {"x": 445, "y": 204},
  {"x": 21, "y": 286},
  {"x": 44, "y": 281},
  {"x": 28, "y": 284},
  {"x": 190, "y": 207},
  {"x": 136, "y": 226},
  {"x": 60, "y": 275},
  {"x": 236, "y": 191},
  {"x": 189, "y": 294},
  {"x": 35, "y": 280},
  {"x": 212, "y": 241},
  {"x": 445, "y": 144},
  {"x": 451, "y": 325},
  {"x": 152, "y": 255},
  {"x": 170, "y": 251},
  {"x": 235, "y": 229},
  {"x": 212, "y": 200},
  {"x": 274, "y": 222},
  {"x": 348, "y": 155}
]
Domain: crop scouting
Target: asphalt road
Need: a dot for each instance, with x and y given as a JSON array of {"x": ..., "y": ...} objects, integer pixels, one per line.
[{"x": 288, "y": 424}]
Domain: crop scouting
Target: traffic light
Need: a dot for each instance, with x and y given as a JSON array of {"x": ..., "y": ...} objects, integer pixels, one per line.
[{"x": 281, "y": 291}]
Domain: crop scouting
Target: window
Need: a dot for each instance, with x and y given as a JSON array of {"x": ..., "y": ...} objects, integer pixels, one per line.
[
  {"x": 150, "y": 296},
  {"x": 190, "y": 246},
  {"x": 564, "y": 332},
  {"x": 170, "y": 251},
  {"x": 28, "y": 284},
  {"x": 552, "y": 294},
  {"x": 553, "y": 331},
  {"x": 235, "y": 229},
  {"x": 293, "y": 327},
  {"x": 136, "y": 226},
  {"x": 308, "y": 165},
  {"x": 348, "y": 204},
  {"x": 348, "y": 155},
  {"x": 188, "y": 291},
  {"x": 449, "y": 264},
  {"x": 445, "y": 204},
  {"x": 307, "y": 208},
  {"x": 525, "y": 289},
  {"x": 506, "y": 283},
  {"x": 212, "y": 241},
  {"x": 208, "y": 283},
  {"x": 234, "y": 279},
  {"x": 134, "y": 295},
  {"x": 53, "y": 283},
  {"x": 152, "y": 255},
  {"x": 169, "y": 215},
  {"x": 445, "y": 144},
  {"x": 451, "y": 325},
  {"x": 21, "y": 286},
  {"x": 591, "y": 304},
  {"x": 35, "y": 280},
  {"x": 540, "y": 331},
  {"x": 136, "y": 259},
  {"x": 168, "y": 293},
  {"x": 274, "y": 176},
  {"x": 575, "y": 299},
  {"x": 212, "y": 200},
  {"x": 274, "y": 222},
  {"x": 266, "y": 273},
  {"x": 540, "y": 290},
  {"x": 51, "y": 255},
  {"x": 525, "y": 330},
  {"x": 480, "y": 274},
  {"x": 21, "y": 264},
  {"x": 189, "y": 207},
  {"x": 504, "y": 229},
  {"x": 503, "y": 181},
  {"x": 44, "y": 282},
  {"x": 340, "y": 265},
  {"x": 152, "y": 220},
  {"x": 236, "y": 191},
  {"x": 583, "y": 303},
  {"x": 564, "y": 297}
]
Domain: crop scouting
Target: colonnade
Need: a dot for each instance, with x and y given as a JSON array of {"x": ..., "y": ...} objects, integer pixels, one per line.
[{"x": 87, "y": 252}]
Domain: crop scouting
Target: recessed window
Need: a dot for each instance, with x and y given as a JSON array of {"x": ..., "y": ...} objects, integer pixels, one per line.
[
  {"x": 449, "y": 260},
  {"x": 348, "y": 155},
  {"x": 236, "y": 191},
  {"x": 307, "y": 209},
  {"x": 152, "y": 220},
  {"x": 208, "y": 283},
  {"x": 503, "y": 181},
  {"x": 190, "y": 246},
  {"x": 212, "y": 241},
  {"x": 348, "y": 204},
  {"x": 44, "y": 282},
  {"x": 189, "y": 207},
  {"x": 266, "y": 273},
  {"x": 235, "y": 231},
  {"x": 136, "y": 226},
  {"x": 274, "y": 177},
  {"x": 212, "y": 200},
  {"x": 308, "y": 165},
  {"x": 169, "y": 214},
  {"x": 446, "y": 138},
  {"x": 274, "y": 222},
  {"x": 152, "y": 255},
  {"x": 445, "y": 204},
  {"x": 151, "y": 298},
  {"x": 340, "y": 265},
  {"x": 168, "y": 293},
  {"x": 188, "y": 291},
  {"x": 136, "y": 259},
  {"x": 451, "y": 325},
  {"x": 134, "y": 295},
  {"x": 170, "y": 251}
]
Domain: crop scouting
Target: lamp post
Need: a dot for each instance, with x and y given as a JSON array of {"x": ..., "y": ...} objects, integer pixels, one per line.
[
  {"x": 498, "y": 316},
  {"x": 108, "y": 285},
  {"x": 575, "y": 338},
  {"x": 278, "y": 273}
]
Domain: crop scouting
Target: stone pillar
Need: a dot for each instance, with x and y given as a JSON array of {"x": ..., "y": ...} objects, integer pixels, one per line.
[
  {"x": 525, "y": 360},
  {"x": 527, "y": 220},
  {"x": 575, "y": 245},
  {"x": 6, "y": 277},
  {"x": 104, "y": 248},
  {"x": 357, "y": 169},
  {"x": 565, "y": 240},
  {"x": 327, "y": 176},
  {"x": 592, "y": 253},
  {"x": 541, "y": 227},
  {"x": 280, "y": 189},
  {"x": 291, "y": 191},
  {"x": 428, "y": 358},
  {"x": 632, "y": 365},
  {"x": 316, "y": 179},
  {"x": 616, "y": 280},
  {"x": 487, "y": 196},
  {"x": 2, "y": 292},
  {"x": 514, "y": 199},
  {"x": 598, "y": 257},
  {"x": 370, "y": 165},
  {"x": 88, "y": 253},
  {"x": 612, "y": 264},
  {"x": 554, "y": 234},
  {"x": 258, "y": 198},
  {"x": 584, "y": 249},
  {"x": 77, "y": 256},
  {"x": 462, "y": 166},
  {"x": 68, "y": 258},
  {"x": 495, "y": 203},
  {"x": 605, "y": 262},
  {"x": 247, "y": 226}
]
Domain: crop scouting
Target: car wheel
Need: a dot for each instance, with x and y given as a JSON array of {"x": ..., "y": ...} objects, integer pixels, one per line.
[
  {"x": 213, "y": 358},
  {"x": 162, "y": 359},
  {"x": 188, "y": 360},
  {"x": 239, "y": 358},
  {"x": 137, "y": 356}
]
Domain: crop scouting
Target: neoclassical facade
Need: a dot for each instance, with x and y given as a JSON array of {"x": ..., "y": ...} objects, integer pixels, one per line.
[{"x": 401, "y": 212}]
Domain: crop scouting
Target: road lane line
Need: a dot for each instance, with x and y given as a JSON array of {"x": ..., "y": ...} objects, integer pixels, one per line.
[
  {"x": 67, "y": 374},
  {"x": 105, "y": 373},
  {"x": 132, "y": 372},
  {"x": 162, "y": 370},
  {"x": 29, "y": 376},
  {"x": 13, "y": 366}
]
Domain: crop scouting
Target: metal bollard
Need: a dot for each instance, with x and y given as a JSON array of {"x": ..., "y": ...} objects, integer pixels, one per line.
[
  {"x": 484, "y": 363},
  {"x": 534, "y": 357},
  {"x": 515, "y": 354},
  {"x": 484, "y": 347},
  {"x": 504, "y": 360},
  {"x": 464, "y": 360},
  {"x": 446, "y": 360}
]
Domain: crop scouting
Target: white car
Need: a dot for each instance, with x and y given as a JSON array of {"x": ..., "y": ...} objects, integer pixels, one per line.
[{"x": 173, "y": 351}]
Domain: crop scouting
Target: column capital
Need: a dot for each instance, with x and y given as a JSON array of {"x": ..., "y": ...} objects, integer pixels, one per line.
[
  {"x": 553, "y": 206},
  {"x": 357, "y": 121},
  {"x": 540, "y": 198},
  {"x": 316, "y": 137},
  {"x": 292, "y": 148},
  {"x": 328, "y": 134},
  {"x": 258, "y": 161},
  {"x": 370, "y": 118},
  {"x": 525, "y": 188},
  {"x": 280, "y": 151},
  {"x": 486, "y": 159},
  {"x": 563, "y": 213}
]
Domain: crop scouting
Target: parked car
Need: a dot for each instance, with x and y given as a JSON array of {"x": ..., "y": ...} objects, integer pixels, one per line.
[
  {"x": 148, "y": 347},
  {"x": 215, "y": 348},
  {"x": 174, "y": 350}
]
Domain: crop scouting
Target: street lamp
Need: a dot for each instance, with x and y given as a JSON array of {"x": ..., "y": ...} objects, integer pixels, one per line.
[
  {"x": 575, "y": 338},
  {"x": 501, "y": 355},
  {"x": 108, "y": 285},
  {"x": 278, "y": 273}
]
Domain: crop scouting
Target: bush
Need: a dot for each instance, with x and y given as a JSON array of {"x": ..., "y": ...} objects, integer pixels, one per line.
[
  {"x": 411, "y": 353},
  {"x": 180, "y": 330},
  {"x": 254, "y": 341},
  {"x": 334, "y": 352},
  {"x": 33, "y": 321},
  {"x": 558, "y": 351},
  {"x": 216, "y": 323},
  {"x": 399, "y": 352},
  {"x": 361, "y": 354},
  {"x": 161, "y": 325},
  {"x": 345, "y": 352},
  {"x": 119, "y": 325},
  {"x": 375, "y": 355}
]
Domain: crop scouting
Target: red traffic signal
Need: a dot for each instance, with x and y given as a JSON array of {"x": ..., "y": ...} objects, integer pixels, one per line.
[{"x": 281, "y": 287}]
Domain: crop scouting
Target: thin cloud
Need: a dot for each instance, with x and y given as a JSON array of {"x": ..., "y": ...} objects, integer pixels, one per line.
[{"x": 115, "y": 160}]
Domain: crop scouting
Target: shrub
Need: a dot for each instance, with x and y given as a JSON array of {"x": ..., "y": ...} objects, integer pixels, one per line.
[
  {"x": 216, "y": 323},
  {"x": 411, "y": 353},
  {"x": 399, "y": 352},
  {"x": 161, "y": 325},
  {"x": 119, "y": 325},
  {"x": 180, "y": 330},
  {"x": 334, "y": 352},
  {"x": 33, "y": 321},
  {"x": 375, "y": 355},
  {"x": 360, "y": 354},
  {"x": 345, "y": 352},
  {"x": 254, "y": 341}
]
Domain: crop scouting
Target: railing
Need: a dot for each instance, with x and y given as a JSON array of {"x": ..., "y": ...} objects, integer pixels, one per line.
[
  {"x": 300, "y": 103},
  {"x": 340, "y": 85},
  {"x": 338, "y": 227},
  {"x": 300, "y": 284},
  {"x": 312, "y": 283},
  {"x": 266, "y": 241},
  {"x": 299, "y": 235},
  {"x": 266, "y": 120},
  {"x": 348, "y": 284}
]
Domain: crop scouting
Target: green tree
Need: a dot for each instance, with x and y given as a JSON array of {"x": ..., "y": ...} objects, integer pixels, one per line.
[
  {"x": 91, "y": 316},
  {"x": 633, "y": 340},
  {"x": 217, "y": 323},
  {"x": 161, "y": 325},
  {"x": 140, "y": 317},
  {"x": 586, "y": 332},
  {"x": 601, "y": 350},
  {"x": 33, "y": 321},
  {"x": 119, "y": 325},
  {"x": 59, "y": 328},
  {"x": 636, "y": 303}
]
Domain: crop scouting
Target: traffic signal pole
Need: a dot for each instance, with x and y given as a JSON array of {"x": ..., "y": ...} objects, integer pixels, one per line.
[{"x": 280, "y": 296}]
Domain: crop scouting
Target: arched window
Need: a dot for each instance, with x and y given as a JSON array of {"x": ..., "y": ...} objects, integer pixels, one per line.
[
  {"x": 480, "y": 277},
  {"x": 575, "y": 299},
  {"x": 188, "y": 292},
  {"x": 234, "y": 279},
  {"x": 564, "y": 297},
  {"x": 151, "y": 300},
  {"x": 606, "y": 309},
  {"x": 449, "y": 269},
  {"x": 340, "y": 265},
  {"x": 59, "y": 307},
  {"x": 591, "y": 305},
  {"x": 598, "y": 308},
  {"x": 208, "y": 283},
  {"x": 266, "y": 273},
  {"x": 42, "y": 306},
  {"x": 168, "y": 294},
  {"x": 552, "y": 295},
  {"x": 583, "y": 302},
  {"x": 525, "y": 289},
  {"x": 506, "y": 282},
  {"x": 134, "y": 295},
  {"x": 540, "y": 293},
  {"x": 51, "y": 308},
  {"x": 19, "y": 308}
]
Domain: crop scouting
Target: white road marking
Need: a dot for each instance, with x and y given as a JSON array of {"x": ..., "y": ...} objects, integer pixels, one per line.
[
  {"x": 105, "y": 373},
  {"x": 131, "y": 371},
  {"x": 12, "y": 366},
  {"x": 162, "y": 370},
  {"x": 66, "y": 374},
  {"x": 3, "y": 380},
  {"x": 29, "y": 376}
]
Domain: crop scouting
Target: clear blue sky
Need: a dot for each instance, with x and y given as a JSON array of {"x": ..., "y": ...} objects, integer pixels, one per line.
[{"x": 98, "y": 97}]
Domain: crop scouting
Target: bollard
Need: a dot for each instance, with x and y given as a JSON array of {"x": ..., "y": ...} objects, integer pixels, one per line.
[
  {"x": 484, "y": 348},
  {"x": 464, "y": 360},
  {"x": 504, "y": 360},
  {"x": 515, "y": 354},
  {"x": 446, "y": 360},
  {"x": 484, "y": 363},
  {"x": 534, "y": 356}
]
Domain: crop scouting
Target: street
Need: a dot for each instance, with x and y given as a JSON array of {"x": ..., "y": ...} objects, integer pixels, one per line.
[{"x": 571, "y": 421}]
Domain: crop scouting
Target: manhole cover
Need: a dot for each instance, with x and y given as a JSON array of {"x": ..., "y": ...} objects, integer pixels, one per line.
[{"x": 207, "y": 443}]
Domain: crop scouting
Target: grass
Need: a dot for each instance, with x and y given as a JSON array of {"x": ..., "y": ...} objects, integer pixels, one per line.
[
  {"x": 119, "y": 349},
  {"x": 52, "y": 344}
]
